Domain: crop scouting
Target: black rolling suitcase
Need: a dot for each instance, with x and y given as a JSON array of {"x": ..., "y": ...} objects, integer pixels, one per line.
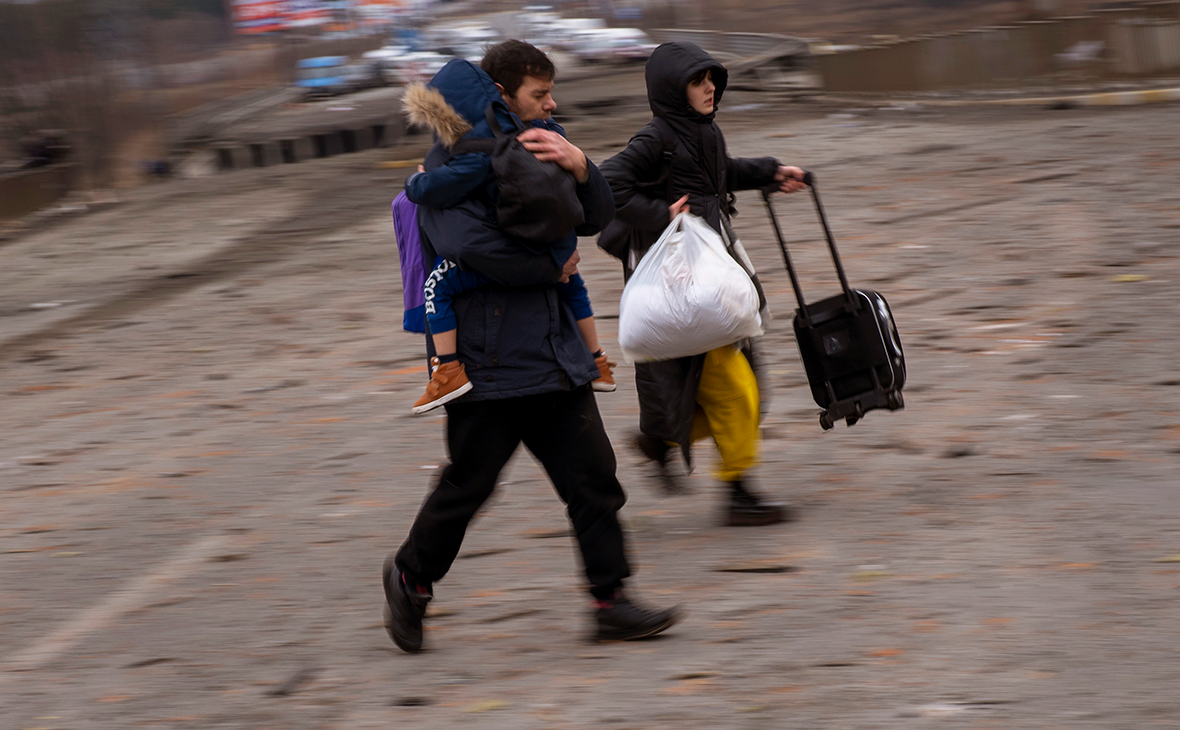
[{"x": 849, "y": 343}]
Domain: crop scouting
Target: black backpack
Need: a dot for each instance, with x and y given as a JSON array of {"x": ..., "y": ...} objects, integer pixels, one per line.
[
  {"x": 538, "y": 201},
  {"x": 615, "y": 239}
]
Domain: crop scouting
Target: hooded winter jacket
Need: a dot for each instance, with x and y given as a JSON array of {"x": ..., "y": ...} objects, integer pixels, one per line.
[
  {"x": 515, "y": 336},
  {"x": 647, "y": 177}
]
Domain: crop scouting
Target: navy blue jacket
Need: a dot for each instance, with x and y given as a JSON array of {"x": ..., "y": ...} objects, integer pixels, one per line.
[{"x": 515, "y": 336}]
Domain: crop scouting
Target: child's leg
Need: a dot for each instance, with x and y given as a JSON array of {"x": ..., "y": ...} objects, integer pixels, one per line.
[
  {"x": 575, "y": 296},
  {"x": 445, "y": 345},
  {"x": 605, "y": 382},
  {"x": 589, "y": 334},
  {"x": 448, "y": 379},
  {"x": 440, "y": 289}
]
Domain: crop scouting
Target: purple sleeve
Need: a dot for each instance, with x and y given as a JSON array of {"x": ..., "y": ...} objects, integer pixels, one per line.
[{"x": 409, "y": 251}]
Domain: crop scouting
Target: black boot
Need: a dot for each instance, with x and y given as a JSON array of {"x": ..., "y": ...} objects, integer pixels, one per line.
[
  {"x": 656, "y": 450},
  {"x": 404, "y": 608},
  {"x": 621, "y": 620},
  {"x": 747, "y": 509}
]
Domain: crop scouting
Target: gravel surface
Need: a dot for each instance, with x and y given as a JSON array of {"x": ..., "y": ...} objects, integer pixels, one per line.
[{"x": 207, "y": 453}]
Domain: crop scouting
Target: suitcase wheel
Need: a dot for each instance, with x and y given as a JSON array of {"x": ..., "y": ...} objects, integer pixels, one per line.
[
  {"x": 825, "y": 422},
  {"x": 851, "y": 420},
  {"x": 896, "y": 402}
]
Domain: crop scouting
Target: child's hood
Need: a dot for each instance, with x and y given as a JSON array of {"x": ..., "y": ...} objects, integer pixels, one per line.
[{"x": 454, "y": 103}]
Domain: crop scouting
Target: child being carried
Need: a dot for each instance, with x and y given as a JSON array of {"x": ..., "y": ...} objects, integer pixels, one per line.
[{"x": 462, "y": 177}]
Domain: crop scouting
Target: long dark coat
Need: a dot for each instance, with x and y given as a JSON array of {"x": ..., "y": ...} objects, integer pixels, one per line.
[{"x": 682, "y": 153}]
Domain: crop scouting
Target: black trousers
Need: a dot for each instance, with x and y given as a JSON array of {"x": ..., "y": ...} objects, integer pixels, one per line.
[{"x": 564, "y": 431}]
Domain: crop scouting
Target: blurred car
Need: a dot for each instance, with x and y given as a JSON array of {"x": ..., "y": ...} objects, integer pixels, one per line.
[
  {"x": 631, "y": 49},
  {"x": 321, "y": 75},
  {"x": 410, "y": 67},
  {"x": 330, "y": 75},
  {"x": 564, "y": 33},
  {"x": 545, "y": 29},
  {"x": 612, "y": 45}
]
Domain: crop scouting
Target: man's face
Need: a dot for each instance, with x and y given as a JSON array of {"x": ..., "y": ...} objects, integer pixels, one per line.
[{"x": 533, "y": 100}]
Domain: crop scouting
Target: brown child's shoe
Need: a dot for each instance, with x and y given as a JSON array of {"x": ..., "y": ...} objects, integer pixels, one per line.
[
  {"x": 605, "y": 383},
  {"x": 448, "y": 381}
]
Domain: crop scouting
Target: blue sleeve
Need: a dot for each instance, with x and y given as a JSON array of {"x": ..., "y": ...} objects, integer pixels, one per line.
[
  {"x": 576, "y": 297},
  {"x": 447, "y": 186}
]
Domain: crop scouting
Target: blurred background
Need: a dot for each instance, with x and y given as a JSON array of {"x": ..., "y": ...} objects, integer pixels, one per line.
[{"x": 126, "y": 92}]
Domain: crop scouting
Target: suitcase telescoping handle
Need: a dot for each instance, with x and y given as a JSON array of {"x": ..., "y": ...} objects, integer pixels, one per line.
[{"x": 809, "y": 181}]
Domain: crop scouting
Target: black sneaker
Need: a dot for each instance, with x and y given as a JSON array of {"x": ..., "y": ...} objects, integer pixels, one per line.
[
  {"x": 657, "y": 452},
  {"x": 747, "y": 509},
  {"x": 621, "y": 620},
  {"x": 404, "y": 608}
]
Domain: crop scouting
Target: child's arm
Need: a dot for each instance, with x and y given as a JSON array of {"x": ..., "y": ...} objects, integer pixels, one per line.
[
  {"x": 447, "y": 186},
  {"x": 575, "y": 296}
]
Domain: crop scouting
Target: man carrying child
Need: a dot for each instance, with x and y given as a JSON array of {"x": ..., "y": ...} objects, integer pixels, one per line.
[{"x": 528, "y": 363}]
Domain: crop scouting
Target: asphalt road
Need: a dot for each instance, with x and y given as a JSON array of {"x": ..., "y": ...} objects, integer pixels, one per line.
[{"x": 207, "y": 452}]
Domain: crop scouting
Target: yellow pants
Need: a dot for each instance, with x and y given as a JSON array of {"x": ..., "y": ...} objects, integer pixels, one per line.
[{"x": 727, "y": 410}]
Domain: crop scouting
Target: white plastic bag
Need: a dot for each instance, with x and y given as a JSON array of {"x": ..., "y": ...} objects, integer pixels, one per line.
[{"x": 686, "y": 297}]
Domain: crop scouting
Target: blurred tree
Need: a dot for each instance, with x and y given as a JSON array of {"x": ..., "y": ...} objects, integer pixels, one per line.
[{"x": 90, "y": 68}]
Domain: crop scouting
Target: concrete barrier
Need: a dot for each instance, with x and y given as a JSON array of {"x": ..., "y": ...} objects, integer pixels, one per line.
[
  {"x": 266, "y": 154},
  {"x": 233, "y": 158},
  {"x": 1141, "y": 40},
  {"x": 29, "y": 190},
  {"x": 327, "y": 143},
  {"x": 302, "y": 149}
]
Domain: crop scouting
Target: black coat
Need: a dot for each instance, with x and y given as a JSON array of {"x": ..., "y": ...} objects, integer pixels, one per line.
[
  {"x": 683, "y": 153},
  {"x": 515, "y": 335}
]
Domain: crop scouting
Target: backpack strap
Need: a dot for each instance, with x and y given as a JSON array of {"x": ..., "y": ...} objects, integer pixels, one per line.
[
  {"x": 483, "y": 145},
  {"x": 490, "y": 115},
  {"x": 668, "y": 141},
  {"x": 467, "y": 146},
  {"x": 617, "y": 237}
]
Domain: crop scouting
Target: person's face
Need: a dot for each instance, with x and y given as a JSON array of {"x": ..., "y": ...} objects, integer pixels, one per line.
[
  {"x": 533, "y": 100},
  {"x": 700, "y": 94}
]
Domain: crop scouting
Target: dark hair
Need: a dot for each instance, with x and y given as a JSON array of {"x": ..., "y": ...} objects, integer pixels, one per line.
[
  {"x": 699, "y": 76},
  {"x": 509, "y": 62}
]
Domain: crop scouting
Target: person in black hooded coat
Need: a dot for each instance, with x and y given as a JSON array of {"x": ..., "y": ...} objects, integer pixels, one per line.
[{"x": 679, "y": 162}]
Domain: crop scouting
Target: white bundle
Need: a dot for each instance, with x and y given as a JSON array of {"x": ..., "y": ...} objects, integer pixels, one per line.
[{"x": 686, "y": 297}]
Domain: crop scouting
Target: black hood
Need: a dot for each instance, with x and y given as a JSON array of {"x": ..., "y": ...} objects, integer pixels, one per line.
[{"x": 667, "y": 73}]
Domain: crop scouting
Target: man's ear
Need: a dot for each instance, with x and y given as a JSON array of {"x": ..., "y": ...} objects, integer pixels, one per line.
[{"x": 503, "y": 95}]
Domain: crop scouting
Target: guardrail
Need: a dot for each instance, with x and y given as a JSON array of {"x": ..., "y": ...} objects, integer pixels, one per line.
[{"x": 737, "y": 44}]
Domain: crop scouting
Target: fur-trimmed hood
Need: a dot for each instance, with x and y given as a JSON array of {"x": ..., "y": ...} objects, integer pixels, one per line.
[
  {"x": 426, "y": 107},
  {"x": 454, "y": 103}
]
